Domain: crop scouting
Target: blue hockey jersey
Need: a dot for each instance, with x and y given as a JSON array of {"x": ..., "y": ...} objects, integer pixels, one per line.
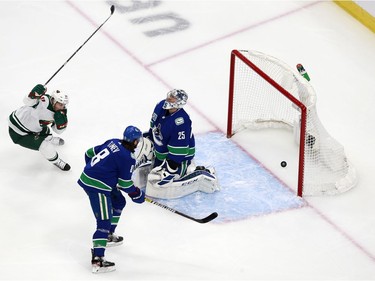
[
  {"x": 172, "y": 134},
  {"x": 108, "y": 165}
]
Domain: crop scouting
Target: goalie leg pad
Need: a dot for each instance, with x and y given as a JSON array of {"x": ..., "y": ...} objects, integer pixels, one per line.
[
  {"x": 141, "y": 173},
  {"x": 208, "y": 182},
  {"x": 199, "y": 180}
]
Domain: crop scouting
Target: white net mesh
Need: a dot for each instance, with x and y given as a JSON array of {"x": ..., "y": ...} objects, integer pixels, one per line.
[{"x": 257, "y": 104}]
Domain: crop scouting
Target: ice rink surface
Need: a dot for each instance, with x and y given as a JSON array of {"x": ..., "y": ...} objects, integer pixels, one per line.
[{"x": 145, "y": 49}]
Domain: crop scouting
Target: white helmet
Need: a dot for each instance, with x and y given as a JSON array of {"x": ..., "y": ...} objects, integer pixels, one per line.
[
  {"x": 60, "y": 97},
  {"x": 180, "y": 96}
]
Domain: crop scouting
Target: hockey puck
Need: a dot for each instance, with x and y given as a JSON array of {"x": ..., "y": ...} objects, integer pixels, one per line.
[{"x": 283, "y": 164}]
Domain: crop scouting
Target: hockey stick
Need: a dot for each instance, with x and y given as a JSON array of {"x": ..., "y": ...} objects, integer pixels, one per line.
[
  {"x": 303, "y": 72},
  {"x": 112, "y": 11},
  {"x": 203, "y": 220}
]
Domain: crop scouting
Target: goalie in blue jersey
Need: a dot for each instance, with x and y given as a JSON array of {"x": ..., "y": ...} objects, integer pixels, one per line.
[
  {"x": 108, "y": 171},
  {"x": 174, "y": 173}
]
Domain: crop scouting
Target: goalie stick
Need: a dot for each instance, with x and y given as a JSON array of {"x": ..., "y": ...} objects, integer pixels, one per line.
[
  {"x": 112, "y": 11},
  {"x": 203, "y": 220}
]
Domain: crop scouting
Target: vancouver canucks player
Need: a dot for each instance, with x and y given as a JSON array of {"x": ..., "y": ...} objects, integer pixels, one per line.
[
  {"x": 174, "y": 148},
  {"x": 171, "y": 133},
  {"x": 108, "y": 171},
  {"x": 29, "y": 126}
]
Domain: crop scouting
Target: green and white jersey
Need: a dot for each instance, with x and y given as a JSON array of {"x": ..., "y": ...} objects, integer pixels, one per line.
[{"x": 32, "y": 117}]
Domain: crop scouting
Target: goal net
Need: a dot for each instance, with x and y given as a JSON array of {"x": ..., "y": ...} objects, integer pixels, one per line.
[{"x": 264, "y": 92}]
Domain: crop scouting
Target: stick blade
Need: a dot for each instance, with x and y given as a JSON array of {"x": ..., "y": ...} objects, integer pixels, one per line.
[
  {"x": 112, "y": 9},
  {"x": 209, "y": 218}
]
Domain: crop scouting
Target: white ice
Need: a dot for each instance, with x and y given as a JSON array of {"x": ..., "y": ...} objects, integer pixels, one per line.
[{"x": 116, "y": 79}]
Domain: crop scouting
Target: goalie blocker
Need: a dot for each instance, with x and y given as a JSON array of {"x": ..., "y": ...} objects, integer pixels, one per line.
[{"x": 197, "y": 178}]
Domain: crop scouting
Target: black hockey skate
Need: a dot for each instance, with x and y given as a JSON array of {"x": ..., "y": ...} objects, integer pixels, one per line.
[
  {"x": 62, "y": 165},
  {"x": 114, "y": 240},
  {"x": 100, "y": 265}
]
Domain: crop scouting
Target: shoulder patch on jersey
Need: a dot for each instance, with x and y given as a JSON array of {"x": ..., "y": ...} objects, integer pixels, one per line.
[
  {"x": 179, "y": 121},
  {"x": 154, "y": 116}
]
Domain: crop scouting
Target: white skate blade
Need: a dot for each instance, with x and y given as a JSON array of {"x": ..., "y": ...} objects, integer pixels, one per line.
[
  {"x": 114, "y": 244},
  {"x": 98, "y": 269}
]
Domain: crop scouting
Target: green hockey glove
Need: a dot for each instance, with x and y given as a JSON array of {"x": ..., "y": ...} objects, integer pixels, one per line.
[
  {"x": 38, "y": 91},
  {"x": 61, "y": 119}
]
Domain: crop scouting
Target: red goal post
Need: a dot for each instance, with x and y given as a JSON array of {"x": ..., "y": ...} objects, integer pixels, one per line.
[{"x": 264, "y": 92}]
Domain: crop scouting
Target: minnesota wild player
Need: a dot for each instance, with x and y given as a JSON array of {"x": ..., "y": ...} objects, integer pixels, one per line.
[{"x": 30, "y": 125}]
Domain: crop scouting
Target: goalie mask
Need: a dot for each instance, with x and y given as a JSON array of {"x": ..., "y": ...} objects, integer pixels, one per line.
[
  {"x": 175, "y": 99},
  {"x": 59, "y": 97}
]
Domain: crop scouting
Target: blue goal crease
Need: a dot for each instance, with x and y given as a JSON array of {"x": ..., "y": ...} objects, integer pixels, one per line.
[{"x": 247, "y": 188}]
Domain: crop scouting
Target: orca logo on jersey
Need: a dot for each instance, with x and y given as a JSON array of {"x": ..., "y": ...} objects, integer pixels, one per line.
[
  {"x": 179, "y": 121},
  {"x": 158, "y": 137},
  {"x": 154, "y": 116}
]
